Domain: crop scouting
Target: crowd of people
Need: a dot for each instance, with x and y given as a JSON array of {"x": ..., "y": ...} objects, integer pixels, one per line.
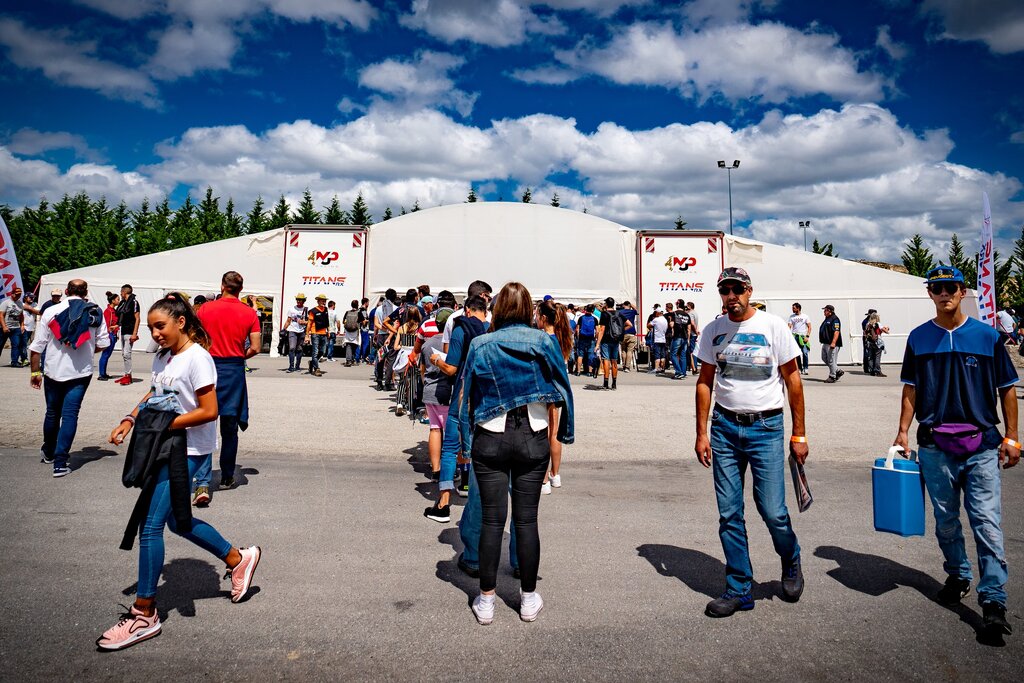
[{"x": 493, "y": 379}]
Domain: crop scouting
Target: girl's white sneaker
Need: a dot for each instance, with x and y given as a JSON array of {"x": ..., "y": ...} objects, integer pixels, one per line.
[
  {"x": 556, "y": 480},
  {"x": 530, "y": 605},
  {"x": 483, "y": 609}
]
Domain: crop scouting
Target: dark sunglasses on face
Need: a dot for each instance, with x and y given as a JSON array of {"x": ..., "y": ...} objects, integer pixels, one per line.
[
  {"x": 938, "y": 288},
  {"x": 734, "y": 289}
]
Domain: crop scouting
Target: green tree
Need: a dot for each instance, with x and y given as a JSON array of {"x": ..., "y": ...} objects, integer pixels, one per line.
[
  {"x": 159, "y": 238},
  {"x": 210, "y": 224},
  {"x": 824, "y": 249},
  {"x": 119, "y": 233},
  {"x": 232, "y": 220},
  {"x": 1006, "y": 286},
  {"x": 527, "y": 196},
  {"x": 256, "y": 219},
  {"x": 360, "y": 213},
  {"x": 139, "y": 229},
  {"x": 281, "y": 215},
  {"x": 680, "y": 223},
  {"x": 184, "y": 231},
  {"x": 471, "y": 197},
  {"x": 958, "y": 258},
  {"x": 335, "y": 215},
  {"x": 387, "y": 214},
  {"x": 403, "y": 211},
  {"x": 306, "y": 213},
  {"x": 917, "y": 258},
  {"x": 554, "y": 200}
]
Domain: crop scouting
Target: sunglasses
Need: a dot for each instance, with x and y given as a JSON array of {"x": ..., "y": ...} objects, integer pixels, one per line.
[
  {"x": 734, "y": 289},
  {"x": 938, "y": 288}
]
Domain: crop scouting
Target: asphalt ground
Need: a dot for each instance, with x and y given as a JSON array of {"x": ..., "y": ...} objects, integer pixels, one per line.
[{"x": 355, "y": 584}]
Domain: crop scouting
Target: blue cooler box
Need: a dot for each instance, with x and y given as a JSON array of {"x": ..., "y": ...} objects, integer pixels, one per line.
[{"x": 898, "y": 492}]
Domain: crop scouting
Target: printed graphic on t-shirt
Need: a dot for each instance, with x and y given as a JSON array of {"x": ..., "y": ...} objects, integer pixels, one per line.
[{"x": 743, "y": 355}]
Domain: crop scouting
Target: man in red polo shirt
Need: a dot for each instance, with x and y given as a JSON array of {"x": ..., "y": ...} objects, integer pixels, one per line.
[{"x": 230, "y": 324}]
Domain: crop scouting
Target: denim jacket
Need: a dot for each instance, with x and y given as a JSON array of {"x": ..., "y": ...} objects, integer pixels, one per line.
[{"x": 508, "y": 368}]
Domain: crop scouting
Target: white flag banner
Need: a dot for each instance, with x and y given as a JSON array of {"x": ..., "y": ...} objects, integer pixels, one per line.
[
  {"x": 986, "y": 268},
  {"x": 10, "y": 276}
]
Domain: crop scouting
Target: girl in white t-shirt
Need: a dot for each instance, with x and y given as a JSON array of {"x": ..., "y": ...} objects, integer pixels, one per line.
[{"x": 184, "y": 381}]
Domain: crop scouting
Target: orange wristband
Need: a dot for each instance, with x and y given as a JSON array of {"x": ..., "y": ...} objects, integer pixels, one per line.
[
  {"x": 798, "y": 439},
  {"x": 1016, "y": 444}
]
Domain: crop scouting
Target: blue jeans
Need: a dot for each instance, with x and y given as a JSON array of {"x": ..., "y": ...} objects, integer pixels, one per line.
[
  {"x": 204, "y": 471},
  {"x": 330, "y": 345},
  {"x": 760, "y": 446},
  {"x": 228, "y": 446},
  {"x": 63, "y": 402},
  {"x": 106, "y": 354},
  {"x": 15, "y": 335},
  {"x": 472, "y": 522},
  {"x": 450, "y": 447},
  {"x": 585, "y": 350},
  {"x": 364, "y": 346},
  {"x": 803, "y": 360},
  {"x": 295, "y": 340},
  {"x": 319, "y": 343},
  {"x": 945, "y": 477},
  {"x": 151, "y": 536},
  {"x": 677, "y": 355}
]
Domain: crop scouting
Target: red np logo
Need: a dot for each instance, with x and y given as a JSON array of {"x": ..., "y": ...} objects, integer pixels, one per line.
[
  {"x": 681, "y": 264},
  {"x": 324, "y": 258}
]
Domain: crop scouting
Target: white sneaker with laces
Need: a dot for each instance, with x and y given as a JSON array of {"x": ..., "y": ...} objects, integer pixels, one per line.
[
  {"x": 483, "y": 609},
  {"x": 530, "y": 605},
  {"x": 556, "y": 480},
  {"x": 545, "y": 488}
]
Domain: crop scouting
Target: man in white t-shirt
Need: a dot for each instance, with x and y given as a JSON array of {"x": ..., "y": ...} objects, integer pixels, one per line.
[
  {"x": 749, "y": 356},
  {"x": 1004, "y": 325},
  {"x": 800, "y": 326},
  {"x": 297, "y": 319},
  {"x": 82, "y": 332},
  {"x": 658, "y": 327}
]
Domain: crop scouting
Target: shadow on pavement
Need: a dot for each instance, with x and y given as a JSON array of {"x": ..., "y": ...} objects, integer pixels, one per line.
[
  {"x": 241, "y": 477},
  {"x": 448, "y": 571},
  {"x": 185, "y": 581},
  {"x": 700, "y": 572},
  {"x": 875, "y": 576},
  {"x": 87, "y": 455}
]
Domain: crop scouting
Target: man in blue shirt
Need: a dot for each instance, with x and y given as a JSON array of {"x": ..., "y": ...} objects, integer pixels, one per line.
[{"x": 955, "y": 370}]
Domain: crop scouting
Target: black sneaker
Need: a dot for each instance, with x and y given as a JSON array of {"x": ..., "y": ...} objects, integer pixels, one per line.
[
  {"x": 613, "y": 384},
  {"x": 995, "y": 619},
  {"x": 467, "y": 568},
  {"x": 729, "y": 604},
  {"x": 463, "y": 487},
  {"x": 44, "y": 458},
  {"x": 792, "y": 582},
  {"x": 955, "y": 590},
  {"x": 831, "y": 380},
  {"x": 439, "y": 514},
  {"x": 840, "y": 373},
  {"x": 606, "y": 384},
  {"x": 227, "y": 483}
]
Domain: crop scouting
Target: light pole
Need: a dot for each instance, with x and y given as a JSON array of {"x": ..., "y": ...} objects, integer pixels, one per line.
[
  {"x": 803, "y": 226},
  {"x": 728, "y": 170}
]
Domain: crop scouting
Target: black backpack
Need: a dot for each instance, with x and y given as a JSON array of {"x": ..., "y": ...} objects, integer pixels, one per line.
[
  {"x": 616, "y": 327},
  {"x": 351, "y": 321}
]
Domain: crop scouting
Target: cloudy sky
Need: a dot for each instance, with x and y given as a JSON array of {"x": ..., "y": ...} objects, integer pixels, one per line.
[{"x": 873, "y": 119}]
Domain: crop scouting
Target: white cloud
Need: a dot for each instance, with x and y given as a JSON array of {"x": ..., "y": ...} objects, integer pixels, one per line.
[
  {"x": 184, "y": 49},
  {"x": 768, "y": 61},
  {"x": 1018, "y": 137},
  {"x": 707, "y": 12},
  {"x": 601, "y": 8},
  {"x": 31, "y": 142},
  {"x": 72, "y": 63},
  {"x": 865, "y": 181},
  {"x": 884, "y": 41},
  {"x": 546, "y": 75},
  {"x": 997, "y": 23},
  {"x": 496, "y": 23},
  {"x": 25, "y": 181},
  {"x": 420, "y": 82}
]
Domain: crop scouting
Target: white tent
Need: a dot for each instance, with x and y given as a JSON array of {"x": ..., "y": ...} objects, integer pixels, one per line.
[
  {"x": 573, "y": 256},
  {"x": 190, "y": 270}
]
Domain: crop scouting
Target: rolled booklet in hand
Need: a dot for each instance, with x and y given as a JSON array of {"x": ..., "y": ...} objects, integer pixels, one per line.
[{"x": 800, "y": 487}]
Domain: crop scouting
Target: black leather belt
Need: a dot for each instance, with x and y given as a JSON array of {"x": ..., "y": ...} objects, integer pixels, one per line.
[{"x": 748, "y": 418}]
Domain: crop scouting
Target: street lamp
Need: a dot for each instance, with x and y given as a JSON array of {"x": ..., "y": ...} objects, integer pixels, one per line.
[
  {"x": 803, "y": 226},
  {"x": 729, "y": 169}
]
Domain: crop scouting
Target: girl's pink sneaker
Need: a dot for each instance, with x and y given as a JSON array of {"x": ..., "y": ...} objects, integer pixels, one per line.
[
  {"x": 241, "y": 575},
  {"x": 134, "y": 627}
]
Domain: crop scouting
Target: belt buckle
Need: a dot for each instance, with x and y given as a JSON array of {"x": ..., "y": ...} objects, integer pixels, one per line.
[{"x": 747, "y": 419}]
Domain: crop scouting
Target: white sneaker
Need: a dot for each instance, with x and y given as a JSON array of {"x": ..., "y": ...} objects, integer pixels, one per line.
[
  {"x": 545, "y": 488},
  {"x": 483, "y": 609},
  {"x": 530, "y": 605},
  {"x": 556, "y": 480}
]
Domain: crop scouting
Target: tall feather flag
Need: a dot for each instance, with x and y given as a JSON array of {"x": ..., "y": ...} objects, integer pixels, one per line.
[
  {"x": 10, "y": 275},
  {"x": 986, "y": 268}
]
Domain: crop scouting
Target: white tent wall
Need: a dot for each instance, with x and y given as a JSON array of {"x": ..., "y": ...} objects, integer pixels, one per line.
[
  {"x": 782, "y": 276},
  {"x": 192, "y": 270},
  {"x": 573, "y": 256}
]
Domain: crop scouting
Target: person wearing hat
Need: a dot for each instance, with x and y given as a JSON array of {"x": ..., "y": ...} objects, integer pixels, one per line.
[
  {"x": 959, "y": 445},
  {"x": 296, "y": 322},
  {"x": 12, "y": 324},
  {"x": 747, "y": 356},
  {"x": 316, "y": 333},
  {"x": 830, "y": 334}
]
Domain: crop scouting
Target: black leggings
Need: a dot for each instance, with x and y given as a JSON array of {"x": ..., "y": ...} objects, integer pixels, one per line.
[{"x": 523, "y": 455}]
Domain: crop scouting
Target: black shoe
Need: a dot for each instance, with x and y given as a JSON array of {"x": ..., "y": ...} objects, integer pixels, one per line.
[
  {"x": 515, "y": 573},
  {"x": 613, "y": 384},
  {"x": 102, "y": 378},
  {"x": 463, "y": 488},
  {"x": 605, "y": 384},
  {"x": 45, "y": 459},
  {"x": 955, "y": 590},
  {"x": 792, "y": 582},
  {"x": 729, "y": 604},
  {"x": 830, "y": 380},
  {"x": 839, "y": 373},
  {"x": 995, "y": 619},
  {"x": 439, "y": 514},
  {"x": 227, "y": 483},
  {"x": 467, "y": 568}
]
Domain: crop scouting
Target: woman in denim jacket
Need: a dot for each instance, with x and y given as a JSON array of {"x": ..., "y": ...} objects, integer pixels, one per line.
[{"x": 511, "y": 377}]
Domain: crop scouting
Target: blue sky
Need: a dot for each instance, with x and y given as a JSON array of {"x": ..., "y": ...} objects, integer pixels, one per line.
[{"x": 873, "y": 119}]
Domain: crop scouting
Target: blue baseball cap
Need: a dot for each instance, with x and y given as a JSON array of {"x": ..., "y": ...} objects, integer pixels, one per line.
[{"x": 944, "y": 274}]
